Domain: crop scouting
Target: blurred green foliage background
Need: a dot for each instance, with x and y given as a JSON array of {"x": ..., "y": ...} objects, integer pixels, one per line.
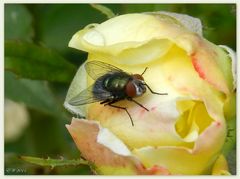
[{"x": 39, "y": 67}]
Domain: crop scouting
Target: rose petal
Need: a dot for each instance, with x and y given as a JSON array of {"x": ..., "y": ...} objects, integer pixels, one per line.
[
  {"x": 193, "y": 120},
  {"x": 154, "y": 127},
  {"x": 137, "y": 55},
  {"x": 232, "y": 57},
  {"x": 220, "y": 167},
  {"x": 191, "y": 23},
  {"x": 124, "y": 41},
  {"x": 207, "y": 57},
  {"x": 138, "y": 32},
  {"x": 108, "y": 139},
  {"x": 230, "y": 107},
  {"x": 118, "y": 35},
  {"x": 106, "y": 161},
  {"x": 187, "y": 81},
  {"x": 157, "y": 170},
  {"x": 180, "y": 160},
  {"x": 78, "y": 84},
  {"x": 134, "y": 28},
  {"x": 150, "y": 128}
]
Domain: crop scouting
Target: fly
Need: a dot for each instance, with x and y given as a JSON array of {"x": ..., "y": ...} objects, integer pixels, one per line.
[{"x": 112, "y": 85}]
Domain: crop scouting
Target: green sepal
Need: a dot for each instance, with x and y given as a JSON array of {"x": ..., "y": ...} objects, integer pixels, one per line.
[
  {"x": 105, "y": 10},
  {"x": 54, "y": 162}
]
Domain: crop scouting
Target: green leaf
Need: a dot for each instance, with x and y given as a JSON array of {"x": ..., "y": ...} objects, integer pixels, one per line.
[
  {"x": 57, "y": 23},
  {"x": 54, "y": 162},
  {"x": 31, "y": 61},
  {"x": 34, "y": 94},
  {"x": 231, "y": 159},
  {"x": 17, "y": 22},
  {"x": 105, "y": 10},
  {"x": 230, "y": 142}
]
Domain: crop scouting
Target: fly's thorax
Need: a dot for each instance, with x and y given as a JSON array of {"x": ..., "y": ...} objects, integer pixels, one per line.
[{"x": 116, "y": 82}]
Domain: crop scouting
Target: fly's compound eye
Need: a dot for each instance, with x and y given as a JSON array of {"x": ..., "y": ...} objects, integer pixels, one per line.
[
  {"x": 131, "y": 89},
  {"x": 137, "y": 76}
]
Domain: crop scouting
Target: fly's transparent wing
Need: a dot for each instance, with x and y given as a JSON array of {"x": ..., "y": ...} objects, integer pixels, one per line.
[
  {"x": 92, "y": 94},
  {"x": 84, "y": 97},
  {"x": 96, "y": 69}
]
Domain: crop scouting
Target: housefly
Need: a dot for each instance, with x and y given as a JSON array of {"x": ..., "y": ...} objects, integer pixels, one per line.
[{"x": 112, "y": 85}]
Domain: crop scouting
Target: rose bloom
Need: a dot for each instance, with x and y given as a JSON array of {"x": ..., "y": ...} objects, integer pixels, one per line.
[{"x": 183, "y": 133}]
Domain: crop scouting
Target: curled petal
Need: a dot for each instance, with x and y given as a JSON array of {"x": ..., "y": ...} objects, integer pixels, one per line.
[
  {"x": 180, "y": 160},
  {"x": 124, "y": 37},
  {"x": 207, "y": 57},
  {"x": 220, "y": 167},
  {"x": 78, "y": 84},
  {"x": 105, "y": 161},
  {"x": 232, "y": 57},
  {"x": 191, "y": 23}
]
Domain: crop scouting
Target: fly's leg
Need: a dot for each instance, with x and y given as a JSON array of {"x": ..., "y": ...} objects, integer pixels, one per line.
[
  {"x": 119, "y": 107},
  {"x": 123, "y": 109},
  {"x": 105, "y": 101},
  {"x": 130, "y": 99},
  {"x": 153, "y": 91},
  {"x": 76, "y": 115}
]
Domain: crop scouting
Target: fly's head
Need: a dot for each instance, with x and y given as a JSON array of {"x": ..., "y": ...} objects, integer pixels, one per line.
[
  {"x": 136, "y": 87},
  {"x": 140, "y": 87}
]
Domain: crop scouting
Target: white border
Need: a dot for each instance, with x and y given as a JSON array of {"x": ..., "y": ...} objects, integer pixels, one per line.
[
  {"x": 125, "y": 1},
  {"x": 238, "y": 96},
  {"x": 2, "y": 2}
]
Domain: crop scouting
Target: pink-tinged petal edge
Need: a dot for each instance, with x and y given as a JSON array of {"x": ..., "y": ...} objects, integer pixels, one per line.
[
  {"x": 204, "y": 61},
  {"x": 84, "y": 134}
]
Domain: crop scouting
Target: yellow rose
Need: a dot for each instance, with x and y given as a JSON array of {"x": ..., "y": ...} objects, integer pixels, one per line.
[{"x": 183, "y": 133}]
